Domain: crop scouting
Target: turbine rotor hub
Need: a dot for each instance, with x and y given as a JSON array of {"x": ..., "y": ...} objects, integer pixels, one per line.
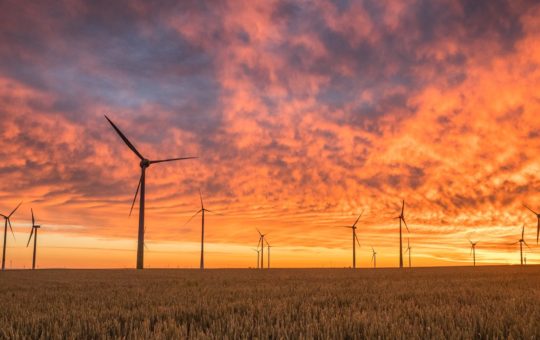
[{"x": 145, "y": 163}]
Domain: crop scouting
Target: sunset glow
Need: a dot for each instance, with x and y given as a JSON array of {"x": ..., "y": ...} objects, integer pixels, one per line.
[{"x": 301, "y": 114}]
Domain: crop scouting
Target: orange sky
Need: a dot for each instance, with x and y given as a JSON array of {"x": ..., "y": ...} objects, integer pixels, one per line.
[{"x": 301, "y": 115}]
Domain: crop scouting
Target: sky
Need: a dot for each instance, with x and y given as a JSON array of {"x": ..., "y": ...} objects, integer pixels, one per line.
[{"x": 302, "y": 114}]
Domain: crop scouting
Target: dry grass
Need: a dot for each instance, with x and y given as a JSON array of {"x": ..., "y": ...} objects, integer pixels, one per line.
[{"x": 484, "y": 302}]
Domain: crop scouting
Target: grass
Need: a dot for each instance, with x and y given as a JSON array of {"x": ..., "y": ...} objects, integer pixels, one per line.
[{"x": 482, "y": 302}]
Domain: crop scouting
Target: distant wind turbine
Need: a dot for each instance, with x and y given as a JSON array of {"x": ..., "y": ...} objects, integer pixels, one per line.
[
  {"x": 408, "y": 250},
  {"x": 258, "y": 253},
  {"x": 261, "y": 243},
  {"x": 354, "y": 239},
  {"x": 401, "y": 218},
  {"x": 268, "y": 260},
  {"x": 537, "y": 220},
  {"x": 33, "y": 232},
  {"x": 145, "y": 163},
  {"x": 473, "y": 251},
  {"x": 374, "y": 258},
  {"x": 521, "y": 242},
  {"x": 7, "y": 221},
  {"x": 202, "y": 211}
]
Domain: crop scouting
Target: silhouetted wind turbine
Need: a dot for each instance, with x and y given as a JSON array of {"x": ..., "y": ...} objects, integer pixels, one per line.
[
  {"x": 258, "y": 253},
  {"x": 473, "y": 251},
  {"x": 374, "y": 258},
  {"x": 268, "y": 260},
  {"x": 7, "y": 220},
  {"x": 354, "y": 239},
  {"x": 401, "y": 218},
  {"x": 145, "y": 163},
  {"x": 202, "y": 211},
  {"x": 521, "y": 242},
  {"x": 261, "y": 243},
  {"x": 33, "y": 232},
  {"x": 538, "y": 222},
  {"x": 408, "y": 250}
]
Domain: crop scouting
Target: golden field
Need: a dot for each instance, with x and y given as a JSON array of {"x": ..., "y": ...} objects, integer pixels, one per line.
[{"x": 463, "y": 302}]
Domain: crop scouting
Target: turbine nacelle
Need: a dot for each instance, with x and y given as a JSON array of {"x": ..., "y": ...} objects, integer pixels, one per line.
[{"x": 145, "y": 163}]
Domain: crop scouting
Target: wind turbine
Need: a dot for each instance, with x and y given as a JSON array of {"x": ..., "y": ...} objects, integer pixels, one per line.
[
  {"x": 202, "y": 211},
  {"x": 258, "y": 253},
  {"x": 408, "y": 250},
  {"x": 33, "y": 232},
  {"x": 473, "y": 251},
  {"x": 521, "y": 242},
  {"x": 354, "y": 239},
  {"x": 538, "y": 222},
  {"x": 7, "y": 220},
  {"x": 144, "y": 164},
  {"x": 374, "y": 258},
  {"x": 401, "y": 218},
  {"x": 261, "y": 243},
  {"x": 268, "y": 260}
]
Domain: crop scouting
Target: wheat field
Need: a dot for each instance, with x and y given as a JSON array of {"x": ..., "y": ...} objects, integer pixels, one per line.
[{"x": 482, "y": 302}]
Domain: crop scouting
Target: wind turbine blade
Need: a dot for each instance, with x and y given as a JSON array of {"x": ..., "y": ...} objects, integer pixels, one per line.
[
  {"x": 124, "y": 138},
  {"x": 406, "y": 226},
  {"x": 259, "y": 231},
  {"x": 523, "y": 232},
  {"x": 200, "y": 195},
  {"x": 538, "y": 230},
  {"x": 527, "y": 245},
  {"x": 358, "y": 218},
  {"x": 135, "y": 197},
  {"x": 33, "y": 220},
  {"x": 13, "y": 212},
  {"x": 213, "y": 212},
  {"x": 171, "y": 159},
  {"x": 534, "y": 212},
  {"x": 403, "y": 208},
  {"x": 192, "y": 217},
  {"x": 10, "y": 228},
  {"x": 31, "y": 233},
  {"x": 356, "y": 238}
]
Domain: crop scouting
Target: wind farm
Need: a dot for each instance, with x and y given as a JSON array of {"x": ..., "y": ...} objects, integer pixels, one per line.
[{"x": 281, "y": 149}]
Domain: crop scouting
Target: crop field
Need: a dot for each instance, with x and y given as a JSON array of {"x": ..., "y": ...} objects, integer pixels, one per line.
[{"x": 482, "y": 302}]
